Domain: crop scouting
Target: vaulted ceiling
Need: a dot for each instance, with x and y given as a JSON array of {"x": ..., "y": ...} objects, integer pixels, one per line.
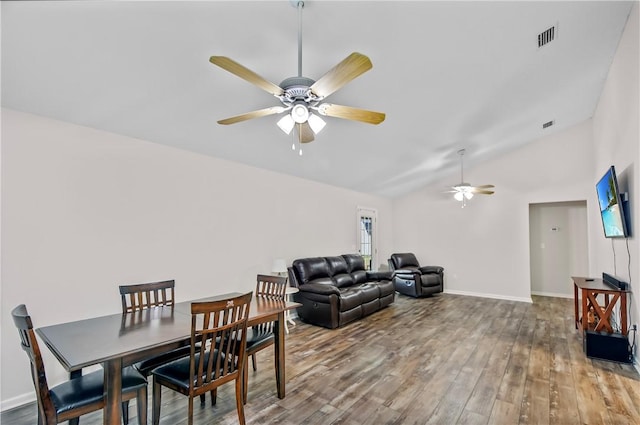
[{"x": 448, "y": 75}]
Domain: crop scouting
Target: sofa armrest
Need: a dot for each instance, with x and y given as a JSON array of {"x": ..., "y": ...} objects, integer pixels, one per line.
[
  {"x": 293, "y": 279},
  {"x": 379, "y": 275},
  {"x": 405, "y": 272},
  {"x": 319, "y": 288},
  {"x": 431, "y": 269}
]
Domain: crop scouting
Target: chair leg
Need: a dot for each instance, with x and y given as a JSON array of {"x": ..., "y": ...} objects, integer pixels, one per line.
[
  {"x": 125, "y": 412},
  {"x": 253, "y": 362},
  {"x": 239, "y": 401},
  {"x": 202, "y": 398},
  {"x": 214, "y": 396},
  {"x": 190, "y": 410},
  {"x": 141, "y": 402},
  {"x": 157, "y": 399},
  {"x": 245, "y": 381}
]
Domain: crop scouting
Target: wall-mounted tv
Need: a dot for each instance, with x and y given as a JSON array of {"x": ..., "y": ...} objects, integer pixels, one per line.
[{"x": 610, "y": 203}]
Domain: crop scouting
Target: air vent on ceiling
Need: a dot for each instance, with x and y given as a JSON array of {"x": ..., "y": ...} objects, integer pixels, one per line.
[
  {"x": 547, "y": 124},
  {"x": 547, "y": 36}
]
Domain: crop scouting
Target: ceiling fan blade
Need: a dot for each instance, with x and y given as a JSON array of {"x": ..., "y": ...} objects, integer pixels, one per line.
[
  {"x": 246, "y": 74},
  {"x": 484, "y": 192},
  {"x": 484, "y": 186},
  {"x": 305, "y": 133},
  {"x": 351, "y": 67},
  {"x": 254, "y": 114},
  {"x": 349, "y": 113}
]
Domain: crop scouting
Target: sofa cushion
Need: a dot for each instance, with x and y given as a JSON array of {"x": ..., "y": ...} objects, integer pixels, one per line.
[
  {"x": 386, "y": 288},
  {"x": 369, "y": 292},
  {"x": 354, "y": 262},
  {"x": 350, "y": 298},
  {"x": 322, "y": 281},
  {"x": 337, "y": 265},
  {"x": 310, "y": 268},
  {"x": 359, "y": 276},
  {"x": 342, "y": 280}
]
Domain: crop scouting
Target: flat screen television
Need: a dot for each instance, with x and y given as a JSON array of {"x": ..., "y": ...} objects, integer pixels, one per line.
[{"x": 610, "y": 203}]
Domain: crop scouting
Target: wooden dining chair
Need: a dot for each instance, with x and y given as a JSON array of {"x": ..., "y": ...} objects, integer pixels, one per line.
[
  {"x": 146, "y": 295},
  {"x": 218, "y": 344},
  {"x": 262, "y": 336},
  {"x": 138, "y": 297},
  {"x": 135, "y": 299},
  {"x": 78, "y": 396}
]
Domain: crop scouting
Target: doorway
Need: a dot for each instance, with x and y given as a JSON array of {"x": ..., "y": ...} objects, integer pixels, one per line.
[{"x": 558, "y": 247}]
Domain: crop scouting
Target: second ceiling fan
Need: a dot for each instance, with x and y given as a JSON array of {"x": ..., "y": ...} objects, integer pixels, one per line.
[
  {"x": 463, "y": 191},
  {"x": 301, "y": 96}
]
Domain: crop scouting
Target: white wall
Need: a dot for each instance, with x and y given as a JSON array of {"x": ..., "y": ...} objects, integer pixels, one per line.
[
  {"x": 616, "y": 127},
  {"x": 484, "y": 247},
  {"x": 84, "y": 211}
]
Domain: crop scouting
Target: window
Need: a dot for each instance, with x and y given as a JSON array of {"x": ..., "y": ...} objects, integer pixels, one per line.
[{"x": 367, "y": 236}]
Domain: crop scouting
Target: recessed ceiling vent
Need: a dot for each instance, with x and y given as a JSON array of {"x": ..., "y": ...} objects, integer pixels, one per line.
[
  {"x": 547, "y": 36},
  {"x": 547, "y": 124}
]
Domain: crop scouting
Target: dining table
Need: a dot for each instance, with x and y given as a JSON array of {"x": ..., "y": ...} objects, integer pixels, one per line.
[{"x": 119, "y": 340}]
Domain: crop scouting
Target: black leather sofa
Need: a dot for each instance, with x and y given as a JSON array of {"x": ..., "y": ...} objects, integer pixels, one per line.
[
  {"x": 409, "y": 278},
  {"x": 335, "y": 291}
]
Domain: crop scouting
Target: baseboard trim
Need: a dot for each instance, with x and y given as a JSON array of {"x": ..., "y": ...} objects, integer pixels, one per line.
[
  {"x": 552, "y": 294},
  {"x": 17, "y": 401},
  {"x": 492, "y": 296}
]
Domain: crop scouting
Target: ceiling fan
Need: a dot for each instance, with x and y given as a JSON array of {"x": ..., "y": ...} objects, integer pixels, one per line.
[
  {"x": 464, "y": 191},
  {"x": 301, "y": 97}
]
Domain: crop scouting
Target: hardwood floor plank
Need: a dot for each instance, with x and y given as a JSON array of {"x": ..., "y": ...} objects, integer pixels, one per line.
[
  {"x": 503, "y": 413},
  {"x": 513, "y": 381},
  {"x": 472, "y": 418},
  {"x": 447, "y": 359},
  {"x": 535, "y": 402}
]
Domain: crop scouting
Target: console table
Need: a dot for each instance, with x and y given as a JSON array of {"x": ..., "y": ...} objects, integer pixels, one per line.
[{"x": 589, "y": 291}]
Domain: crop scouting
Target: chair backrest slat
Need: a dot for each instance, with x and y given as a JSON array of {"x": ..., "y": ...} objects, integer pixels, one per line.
[
  {"x": 218, "y": 336},
  {"x": 147, "y": 295}
]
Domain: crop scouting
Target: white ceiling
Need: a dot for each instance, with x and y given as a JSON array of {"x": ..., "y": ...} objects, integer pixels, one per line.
[{"x": 449, "y": 75}]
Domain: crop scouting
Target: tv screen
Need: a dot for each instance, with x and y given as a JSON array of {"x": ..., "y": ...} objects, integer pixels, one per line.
[{"x": 611, "y": 210}]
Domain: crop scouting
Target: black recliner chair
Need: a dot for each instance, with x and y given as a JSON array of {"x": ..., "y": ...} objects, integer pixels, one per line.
[{"x": 409, "y": 278}]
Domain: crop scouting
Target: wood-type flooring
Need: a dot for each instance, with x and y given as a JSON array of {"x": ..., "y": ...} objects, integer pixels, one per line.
[{"x": 447, "y": 359}]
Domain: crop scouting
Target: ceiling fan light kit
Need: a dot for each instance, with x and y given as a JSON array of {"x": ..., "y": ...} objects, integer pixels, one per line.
[{"x": 301, "y": 96}]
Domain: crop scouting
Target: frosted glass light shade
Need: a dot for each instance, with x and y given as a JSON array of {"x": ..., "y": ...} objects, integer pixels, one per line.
[
  {"x": 316, "y": 123},
  {"x": 300, "y": 113},
  {"x": 286, "y": 123}
]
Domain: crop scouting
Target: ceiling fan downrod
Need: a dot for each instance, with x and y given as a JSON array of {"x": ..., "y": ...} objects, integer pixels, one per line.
[
  {"x": 461, "y": 153},
  {"x": 300, "y": 6}
]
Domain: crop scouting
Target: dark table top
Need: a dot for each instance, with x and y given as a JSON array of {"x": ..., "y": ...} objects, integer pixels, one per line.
[
  {"x": 133, "y": 336},
  {"x": 594, "y": 284}
]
